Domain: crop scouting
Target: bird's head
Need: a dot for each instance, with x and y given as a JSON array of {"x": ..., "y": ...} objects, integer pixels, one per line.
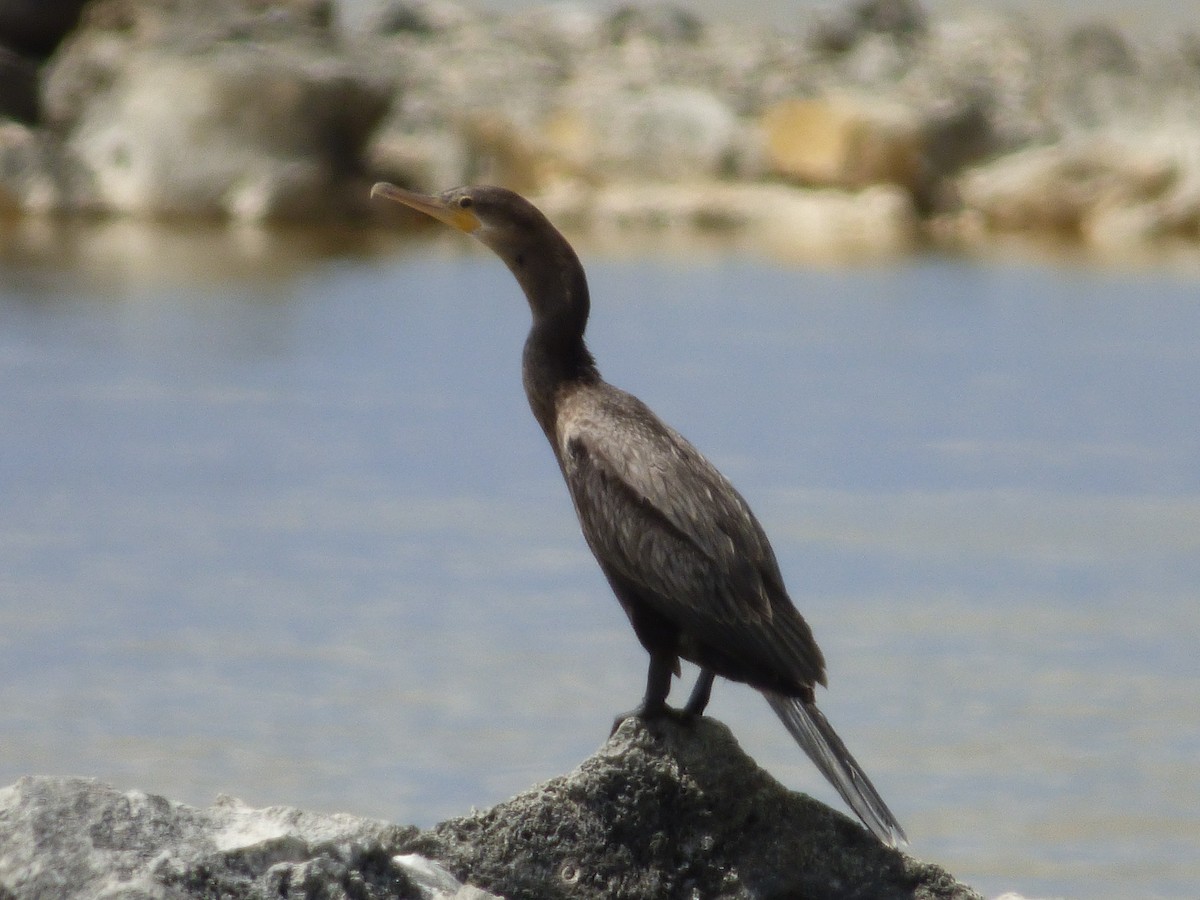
[
  {"x": 497, "y": 217},
  {"x": 455, "y": 208},
  {"x": 515, "y": 230}
]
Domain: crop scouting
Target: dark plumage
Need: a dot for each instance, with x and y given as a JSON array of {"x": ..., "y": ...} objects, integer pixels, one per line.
[{"x": 682, "y": 551}]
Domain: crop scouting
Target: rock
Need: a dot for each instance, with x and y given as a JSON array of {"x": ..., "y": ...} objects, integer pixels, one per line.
[
  {"x": 418, "y": 17},
  {"x": 423, "y": 159},
  {"x": 563, "y": 93},
  {"x": 169, "y": 20},
  {"x": 1102, "y": 191},
  {"x": 1097, "y": 47},
  {"x": 664, "y": 23},
  {"x": 675, "y": 810},
  {"x": 839, "y": 32},
  {"x": 877, "y": 221},
  {"x": 75, "y": 838},
  {"x": 262, "y": 110},
  {"x": 663, "y": 133},
  {"x": 977, "y": 90},
  {"x": 242, "y": 109},
  {"x": 34, "y": 27},
  {"x": 471, "y": 93},
  {"x": 902, "y": 19},
  {"x": 844, "y": 142},
  {"x": 787, "y": 221},
  {"x": 18, "y": 87},
  {"x": 35, "y": 175},
  {"x": 86, "y": 68},
  {"x": 250, "y": 133},
  {"x": 1093, "y": 80},
  {"x": 661, "y": 811},
  {"x": 911, "y": 112}
]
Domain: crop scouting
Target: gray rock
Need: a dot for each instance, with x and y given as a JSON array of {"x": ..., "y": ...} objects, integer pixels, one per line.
[
  {"x": 839, "y": 31},
  {"x": 424, "y": 159},
  {"x": 36, "y": 176},
  {"x": 662, "y": 811},
  {"x": 91, "y": 61},
  {"x": 1097, "y": 47},
  {"x": 250, "y": 133},
  {"x": 18, "y": 87},
  {"x": 785, "y": 221},
  {"x": 663, "y": 133},
  {"x": 259, "y": 110},
  {"x": 239, "y": 109},
  {"x": 425, "y": 18},
  {"x": 34, "y": 27},
  {"x": 675, "y": 810},
  {"x": 665, "y": 23},
  {"x": 76, "y": 838},
  {"x": 1107, "y": 191}
]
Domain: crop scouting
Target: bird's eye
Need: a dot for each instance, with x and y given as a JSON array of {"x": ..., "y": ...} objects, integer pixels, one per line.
[{"x": 464, "y": 203}]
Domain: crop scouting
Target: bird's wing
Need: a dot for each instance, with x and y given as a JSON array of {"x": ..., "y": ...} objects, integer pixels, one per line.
[{"x": 662, "y": 518}]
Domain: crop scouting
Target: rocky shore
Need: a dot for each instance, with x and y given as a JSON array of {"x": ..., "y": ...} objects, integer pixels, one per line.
[
  {"x": 881, "y": 126},
  {"x": 668, "y": 811}
]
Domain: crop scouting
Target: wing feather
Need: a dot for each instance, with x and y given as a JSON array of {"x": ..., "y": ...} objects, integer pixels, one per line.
[{"x": 660, "y": 517}]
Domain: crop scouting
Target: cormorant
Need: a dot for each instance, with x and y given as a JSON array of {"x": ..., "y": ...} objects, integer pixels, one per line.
[{"x": 688, "y": 561}]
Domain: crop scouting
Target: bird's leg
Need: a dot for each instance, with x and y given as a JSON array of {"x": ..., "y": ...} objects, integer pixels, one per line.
[
  {"x": 700, "y": 694},
  {"x": 658, "y": 685}
]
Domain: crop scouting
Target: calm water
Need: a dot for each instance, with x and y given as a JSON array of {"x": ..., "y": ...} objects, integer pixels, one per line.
[{"x": 278, "y": 524}]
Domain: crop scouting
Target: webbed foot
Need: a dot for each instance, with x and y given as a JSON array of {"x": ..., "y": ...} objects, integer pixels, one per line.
[{"x": 645, "y": 712}]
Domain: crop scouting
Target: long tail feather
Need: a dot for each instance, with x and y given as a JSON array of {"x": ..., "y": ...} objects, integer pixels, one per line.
[{"x": 817, "y": 738}]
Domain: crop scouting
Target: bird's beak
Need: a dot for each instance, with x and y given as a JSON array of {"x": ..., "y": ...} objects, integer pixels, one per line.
[{"x": 451, "y": 214}]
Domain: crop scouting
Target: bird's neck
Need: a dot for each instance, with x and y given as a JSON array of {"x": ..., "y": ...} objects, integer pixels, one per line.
[{"x": 556, "y": 357}]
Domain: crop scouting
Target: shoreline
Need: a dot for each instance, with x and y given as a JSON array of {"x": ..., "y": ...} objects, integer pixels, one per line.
[{"x": 880, "y": 126}]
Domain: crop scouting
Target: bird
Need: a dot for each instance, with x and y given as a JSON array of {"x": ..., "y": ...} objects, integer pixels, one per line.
[{"x": 689, "y": 563}]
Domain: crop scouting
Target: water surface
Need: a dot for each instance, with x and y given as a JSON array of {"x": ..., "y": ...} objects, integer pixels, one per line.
[{"x": 277, "y": 523}]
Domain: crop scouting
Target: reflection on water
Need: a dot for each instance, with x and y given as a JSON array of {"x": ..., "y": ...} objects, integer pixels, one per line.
[{"x": 276, "y": 522}]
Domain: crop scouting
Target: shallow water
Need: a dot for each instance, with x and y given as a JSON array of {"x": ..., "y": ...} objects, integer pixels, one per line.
[{"x": 277, "y": 523}]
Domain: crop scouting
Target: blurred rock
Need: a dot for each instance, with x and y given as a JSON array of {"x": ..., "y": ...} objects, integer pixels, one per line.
[
  {"x": 787, "y": 221},
  {"x": 85, "y": 70},
  {"x": 664, "y": 23},
  {"x": 34, "y": 27},
  {"x": 911, "y": 112},
  {"x": 424, "y": 160},
  {"x": 1096, "y": 47},
  {"x": 844, "y": 141},
  {"x": 19, "y": 97},
  {"x": 1094, "y": 80},
  {"x": 905, "y": 19},
  {"x": 242, "y": 109},
  {"x": 980, "y": 79},
  {"x": 662, "y": 133},
  {"x": 418, "y": 17},
  {"x": 163, "y": 21},
  {"x": 247, "y": 131},
  {"x": 35, "y": 175},
  {"x": 259, "y": 110},
  {"x": 1106, "y": 192},
  {"x": 838, "y": 32}
]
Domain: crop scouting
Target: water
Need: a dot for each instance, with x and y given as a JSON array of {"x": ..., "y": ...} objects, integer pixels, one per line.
[{"x": 276, "y": 522}]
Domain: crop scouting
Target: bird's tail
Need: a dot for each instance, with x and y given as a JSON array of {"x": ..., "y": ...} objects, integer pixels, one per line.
[{"x": 817, "y": 738}]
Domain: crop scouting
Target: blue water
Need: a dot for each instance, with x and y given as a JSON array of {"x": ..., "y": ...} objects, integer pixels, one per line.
[{"x": 278, "y": 524}]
